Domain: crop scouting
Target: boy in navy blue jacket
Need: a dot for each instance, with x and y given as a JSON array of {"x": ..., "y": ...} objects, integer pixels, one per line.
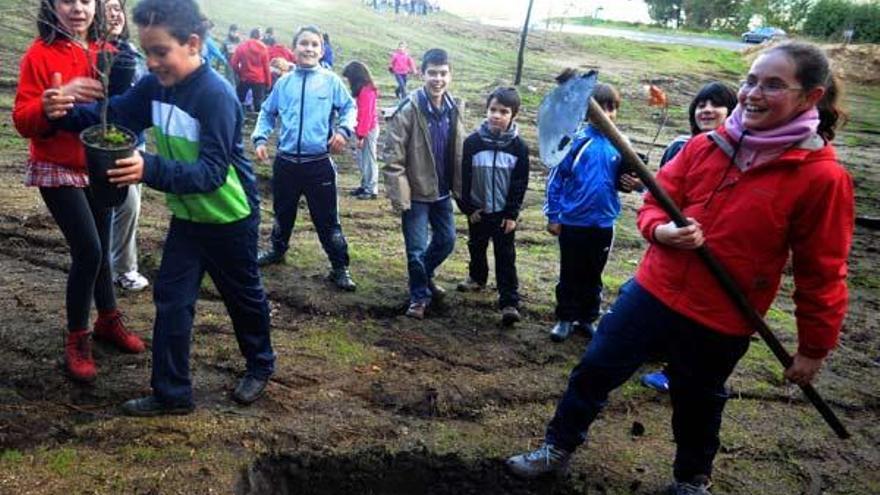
[
  {"x": 211, "y": 191},
  {"x": 581, "y": 207},
  {"x": 494, "y": 177}
]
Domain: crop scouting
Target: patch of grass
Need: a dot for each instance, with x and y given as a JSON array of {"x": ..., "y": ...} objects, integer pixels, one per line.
[
  {"x": 11, "y": 456},
  {"x": 61, "y": 461},
  {"x": 680, "y": 57},
  {"x": 334, "y": 343}
]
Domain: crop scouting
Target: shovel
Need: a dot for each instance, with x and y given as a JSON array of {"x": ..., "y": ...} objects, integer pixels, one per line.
[{"x": 562, "y": 106}]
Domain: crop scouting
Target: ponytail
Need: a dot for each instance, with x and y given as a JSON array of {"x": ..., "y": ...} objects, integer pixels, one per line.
[
  {"x": 814, "y": 70},
  {"x": 831, "y": 115}
]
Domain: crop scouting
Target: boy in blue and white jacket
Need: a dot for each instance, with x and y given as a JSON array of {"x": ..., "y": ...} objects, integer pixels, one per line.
[
  {"x": 581, "y": 207},
  {"x": 306, "y": 100}
]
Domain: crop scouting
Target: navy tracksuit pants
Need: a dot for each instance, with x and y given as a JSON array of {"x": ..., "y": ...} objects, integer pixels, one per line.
[
  {"x": 229, "y": 254},
  {"x": 317, "y": 181}
]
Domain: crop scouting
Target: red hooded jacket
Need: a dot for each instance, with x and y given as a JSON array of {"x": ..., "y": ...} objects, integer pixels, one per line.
[
  {"x": 281, "y": 51},
  {"x": 800, "y": 203},
  {"x": 251, "y": 62},
  {"x": 38, "y": 64}
]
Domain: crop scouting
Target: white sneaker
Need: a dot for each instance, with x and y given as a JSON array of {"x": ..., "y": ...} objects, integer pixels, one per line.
[{"x": 132, "y": 281}]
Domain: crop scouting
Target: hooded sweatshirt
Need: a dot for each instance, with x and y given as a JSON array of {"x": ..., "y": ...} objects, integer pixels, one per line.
[
  {"x": 494, "y": 173},
  {"x": 251, "y": 62}
]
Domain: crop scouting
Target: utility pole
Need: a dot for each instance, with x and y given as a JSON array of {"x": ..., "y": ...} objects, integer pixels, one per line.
[{"x": 522, "y": 45}]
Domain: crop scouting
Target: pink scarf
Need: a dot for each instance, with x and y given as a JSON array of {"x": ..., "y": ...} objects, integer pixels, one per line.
[{"x": 759, "y": 147}]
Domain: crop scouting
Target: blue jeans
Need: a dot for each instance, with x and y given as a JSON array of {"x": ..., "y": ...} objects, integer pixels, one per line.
[
  {"x": 700, "y": 361},
  {"x": 229, "y": 254},
  {"x": 400, "y": 90},
  {"x": 425, "y": 250}
]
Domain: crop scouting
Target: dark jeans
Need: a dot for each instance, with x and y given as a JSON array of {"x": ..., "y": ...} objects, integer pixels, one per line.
[
  {"x": 700, "y": 361},
  {"x": 426, "y": 250},
  {"x": 479, "y": 235},
  {"x": 317, "y": 181},
  {"x": 86, "y": 227},
  {"x": 583, "y": 252},
  {"x": 229, "y": 254},
  {"x": 258, "y": 91},
  {"x": 400, "y": 90}
]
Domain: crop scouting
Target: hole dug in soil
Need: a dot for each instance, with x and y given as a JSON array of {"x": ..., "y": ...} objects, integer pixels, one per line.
[{"x": 379, "y": 472}]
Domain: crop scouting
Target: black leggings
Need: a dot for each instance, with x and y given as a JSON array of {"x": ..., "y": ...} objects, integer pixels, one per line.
[{"x": 86, "y": 227}]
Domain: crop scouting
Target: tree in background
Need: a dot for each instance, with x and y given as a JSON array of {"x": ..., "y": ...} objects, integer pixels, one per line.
[
  {"x": 665, "y": 12},
  {"x": 830, "y": 18}
]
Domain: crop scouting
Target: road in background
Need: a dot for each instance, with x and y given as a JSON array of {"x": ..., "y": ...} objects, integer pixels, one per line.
[{"x": 628, "y": 34}]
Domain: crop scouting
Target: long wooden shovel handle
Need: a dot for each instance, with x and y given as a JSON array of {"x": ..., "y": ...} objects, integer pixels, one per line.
[{"x": 632, "y": 160}]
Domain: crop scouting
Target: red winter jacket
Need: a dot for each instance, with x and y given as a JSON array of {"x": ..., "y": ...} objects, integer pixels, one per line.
[
  {"x": 37, "y": 66},
  {"x": 802, "y": 203},
  {"x": 251, "y": 62},
  {"x": 281, "y": 51}
]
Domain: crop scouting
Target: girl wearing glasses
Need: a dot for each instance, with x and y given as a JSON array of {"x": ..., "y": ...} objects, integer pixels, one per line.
[{"x": 764, "y": 185}]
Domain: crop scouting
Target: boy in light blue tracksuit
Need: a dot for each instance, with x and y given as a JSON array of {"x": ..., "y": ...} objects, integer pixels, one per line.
[
  {"x": 305, "y": 100},
  {"x": 582, "y": 205}
]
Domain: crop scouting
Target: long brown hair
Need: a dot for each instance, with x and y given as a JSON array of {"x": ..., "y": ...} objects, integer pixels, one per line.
[
  {"x": 813, "y": 70},
  {"x": 358, "y": 76},
  {"x": 50, "y": 28}
]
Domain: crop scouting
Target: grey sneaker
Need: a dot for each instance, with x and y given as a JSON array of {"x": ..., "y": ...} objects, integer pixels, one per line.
[
  {"x": 561, "y": 331},
  {"x": 341, "y": 278},
  {"x": 470, "y": 285},
  {"x": 437, "y": 291},
  {"x": 509, "y": 315},
  {"x": 269, "y": 257},
  {"x": 547, "y": 459},
  {"x": 417, "y": 310},
  {"x": 698, "y": 485}
]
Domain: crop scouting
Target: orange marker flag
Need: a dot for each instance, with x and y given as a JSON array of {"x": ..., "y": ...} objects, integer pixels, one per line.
[{"x": 656, "y": 96}]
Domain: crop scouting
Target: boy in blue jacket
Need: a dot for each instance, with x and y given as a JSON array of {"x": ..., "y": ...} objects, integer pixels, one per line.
[
  {"x": 305, "y": 100},
  {"x": 581, "y": 208},
  {"x": 211, "y": 191}
]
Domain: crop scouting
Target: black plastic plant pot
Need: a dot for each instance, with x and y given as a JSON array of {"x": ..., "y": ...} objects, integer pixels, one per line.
[{"x": 101, "y": 156}]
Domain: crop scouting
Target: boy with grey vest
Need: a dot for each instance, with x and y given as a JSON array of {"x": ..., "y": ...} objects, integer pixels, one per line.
[{"x": 495, "y": 175}]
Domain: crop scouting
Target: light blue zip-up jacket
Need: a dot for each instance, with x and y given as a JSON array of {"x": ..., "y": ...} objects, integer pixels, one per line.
[{"x": 306, "y": 100}]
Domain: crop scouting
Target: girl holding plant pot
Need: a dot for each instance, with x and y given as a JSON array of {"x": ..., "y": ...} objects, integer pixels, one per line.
[{"x": 64, "y": 54}]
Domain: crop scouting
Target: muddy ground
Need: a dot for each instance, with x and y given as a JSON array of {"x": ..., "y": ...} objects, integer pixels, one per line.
[{"x": 367, "y": 401}]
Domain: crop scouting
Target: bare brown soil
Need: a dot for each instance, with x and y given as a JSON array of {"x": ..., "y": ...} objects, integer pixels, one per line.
[{"x": 367, "y": 401}]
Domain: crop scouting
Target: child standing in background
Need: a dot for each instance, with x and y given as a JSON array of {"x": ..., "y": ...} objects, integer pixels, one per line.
[
  {"x": 64, "y": 54},
  {"x": 367, "y": 130},
  {"x": 401, "y": 65},
  {"x": 304, "y": 100},
  {"x": 581, "y": 207},
  {"x": 494, "y": 177},
  {"x": 128, "y": 67}
]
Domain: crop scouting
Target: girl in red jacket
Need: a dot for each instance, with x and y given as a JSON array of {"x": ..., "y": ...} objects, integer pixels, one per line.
[
  {"x": 764, "y": 185},
  {"x": 64, "y": 54},
  {"x": 367, "y": 130}
]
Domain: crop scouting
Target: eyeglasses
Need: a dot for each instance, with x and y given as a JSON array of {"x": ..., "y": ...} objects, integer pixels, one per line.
[{"x": 770, "y": 89}]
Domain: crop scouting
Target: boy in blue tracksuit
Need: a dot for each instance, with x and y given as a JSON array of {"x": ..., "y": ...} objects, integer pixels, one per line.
[
  {"x": 581, "y": 208},
  {"x": 305, "y": 100},
  {"x": 211, "y": 191}
]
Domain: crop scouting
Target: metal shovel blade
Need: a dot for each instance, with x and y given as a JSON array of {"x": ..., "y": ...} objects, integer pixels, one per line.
[{"x": 561, "y": 114}]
